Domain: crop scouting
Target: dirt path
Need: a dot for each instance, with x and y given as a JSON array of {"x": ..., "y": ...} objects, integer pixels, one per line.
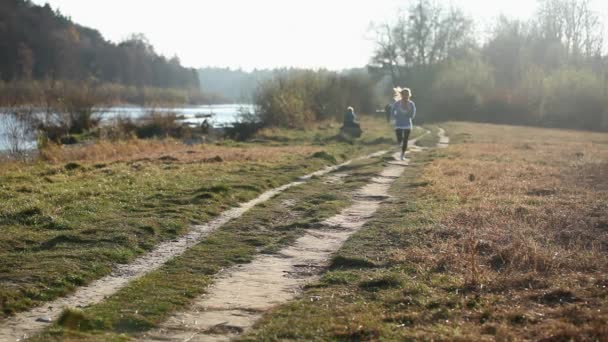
[
  {"x": 28, "y": 323},
  {"x": 240, "y": 295}
]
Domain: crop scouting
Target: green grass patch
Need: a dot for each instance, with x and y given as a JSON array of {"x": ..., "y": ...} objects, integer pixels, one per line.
[{"x": 82, "y": 217}]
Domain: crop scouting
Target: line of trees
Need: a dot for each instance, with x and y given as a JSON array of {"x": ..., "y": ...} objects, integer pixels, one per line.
[
  {"x": 235, "y": 85},
  {"x": 39, "y": 43},
  {"x": 550, "y": 70}
]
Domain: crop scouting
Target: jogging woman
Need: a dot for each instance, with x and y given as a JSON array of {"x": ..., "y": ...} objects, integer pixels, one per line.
[{"x": 403, "y": 111}]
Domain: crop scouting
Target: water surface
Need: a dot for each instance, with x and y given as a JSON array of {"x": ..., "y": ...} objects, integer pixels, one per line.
[{"x": 221, "y": 115}]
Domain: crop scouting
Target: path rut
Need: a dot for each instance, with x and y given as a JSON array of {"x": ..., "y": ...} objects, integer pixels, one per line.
[{"x": 242, "y": 294}]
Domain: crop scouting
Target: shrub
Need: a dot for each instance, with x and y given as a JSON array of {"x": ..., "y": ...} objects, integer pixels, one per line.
[
  {"x": 160, "y": 124},
  {"x": 574, "y": 98},
  {"x": 119, "y": 128},
  {"x": 298, "y": 98},
  {"x": 284, "y": 101},
  {"x": 459, "y": 89},
  {"x": 246, "y": 126}
]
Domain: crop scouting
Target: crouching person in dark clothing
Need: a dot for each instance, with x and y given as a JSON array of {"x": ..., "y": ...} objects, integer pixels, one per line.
[{"x": 350, "y": 126}]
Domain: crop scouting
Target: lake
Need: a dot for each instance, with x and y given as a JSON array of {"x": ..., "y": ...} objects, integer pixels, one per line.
[{"x": 217, "y": 115}]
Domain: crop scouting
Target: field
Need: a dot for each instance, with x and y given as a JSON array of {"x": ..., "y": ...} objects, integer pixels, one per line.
[
  {"x": 501, "y": 236},
  {"x": 67, "y": 220}
]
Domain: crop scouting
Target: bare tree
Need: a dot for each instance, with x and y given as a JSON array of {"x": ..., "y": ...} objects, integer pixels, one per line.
[
  {"x": 573, "y": 24},
  {"x": 386, "y": 56},
  {"x": 426, "y": 33}
]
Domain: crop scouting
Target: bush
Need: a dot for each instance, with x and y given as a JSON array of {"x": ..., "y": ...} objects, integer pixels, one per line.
[
  {"x": 285, "y": 102},
  {"x": 68, "y": 109},
  {"x": 119, "y": 128},
  {"x": 298, "y": 98},
  {"x": 459, "y": 89},
  {"x": 247, "y": 125},
  {"x": 160, "y": 124},
  {"x": 567, "y": 97},
  {"x": 241, "y": 131},
  {"x": 505, "y": 108},
  {"x": 574, "y": 98}
]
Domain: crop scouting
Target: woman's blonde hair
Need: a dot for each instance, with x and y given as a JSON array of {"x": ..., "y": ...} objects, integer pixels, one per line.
[{"x": 399, "y": 90}]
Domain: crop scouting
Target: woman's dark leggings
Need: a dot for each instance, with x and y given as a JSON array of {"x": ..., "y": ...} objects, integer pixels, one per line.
[{"x": 403, "y": 135}]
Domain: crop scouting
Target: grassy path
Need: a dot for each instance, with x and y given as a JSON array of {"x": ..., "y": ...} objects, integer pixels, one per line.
[
  {"x": 502, "y": 236},
  {"x": 150, "y": 300},
  {"x": 69, "y": 221},
  {"x": 323, "y": 150},
  {"x": 240, "y": 295},
  {"x": 33, "y": 321}
]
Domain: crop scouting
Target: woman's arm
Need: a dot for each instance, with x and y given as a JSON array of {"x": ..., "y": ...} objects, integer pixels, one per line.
[{"x": 413, "y": 110}]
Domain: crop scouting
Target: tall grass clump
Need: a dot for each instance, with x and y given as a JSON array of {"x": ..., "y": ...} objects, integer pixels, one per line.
[{"x": 157, "y": 124}]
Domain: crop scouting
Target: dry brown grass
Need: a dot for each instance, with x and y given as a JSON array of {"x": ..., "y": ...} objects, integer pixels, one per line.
[
  {"x": 527, "y": 221},
  {"x": 501, "y": 237},
  {"x": 136, "y": 149}
]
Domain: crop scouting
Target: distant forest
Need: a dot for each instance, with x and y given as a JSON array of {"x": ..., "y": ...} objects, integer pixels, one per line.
[
  {"x": 38, "y": 43},
  {"x": 550, "y": 70},
  {"x": 239, "y": 86},
  {"x": 236, "y": 85}
]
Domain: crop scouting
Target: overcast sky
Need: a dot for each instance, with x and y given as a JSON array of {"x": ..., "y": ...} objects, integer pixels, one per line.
[{"x": 332, "y": 34}]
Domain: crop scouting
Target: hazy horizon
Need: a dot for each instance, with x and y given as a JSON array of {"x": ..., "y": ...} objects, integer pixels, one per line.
[{"x": 265, "y": 34}]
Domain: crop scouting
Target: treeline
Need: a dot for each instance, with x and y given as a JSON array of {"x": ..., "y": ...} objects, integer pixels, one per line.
[
  {"x": 56, "y": 94},
  {"x": 240, "y": 86},
  {"x": 38, "y": 43},
  {"x": 551, "y": 70},
  {"x": 235, "y": 85}
]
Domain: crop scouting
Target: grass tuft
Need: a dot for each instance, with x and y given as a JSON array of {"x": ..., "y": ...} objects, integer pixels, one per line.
[
  {"x": 324, "y": 156},
  {"x": 385, "y": 281},
  {"x": 75, "y": 319},
  {"x": 72, "y": 166},
  {"x": 340, "y": 262}
]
